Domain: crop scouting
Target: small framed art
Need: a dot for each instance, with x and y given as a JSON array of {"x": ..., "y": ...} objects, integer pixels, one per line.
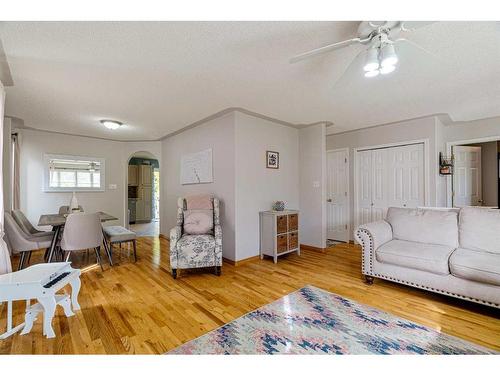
[{"x": 272, "y": 159}]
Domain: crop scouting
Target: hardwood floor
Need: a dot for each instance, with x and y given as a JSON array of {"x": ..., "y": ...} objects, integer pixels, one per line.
[{"x": 139, "y": 308}]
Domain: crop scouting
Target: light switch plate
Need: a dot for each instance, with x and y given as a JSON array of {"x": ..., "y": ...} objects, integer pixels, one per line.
[{"x": 112, "y": 187}]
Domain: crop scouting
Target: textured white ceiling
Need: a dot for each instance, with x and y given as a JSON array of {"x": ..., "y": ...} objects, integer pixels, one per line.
[{"x": 159, "y": 77}]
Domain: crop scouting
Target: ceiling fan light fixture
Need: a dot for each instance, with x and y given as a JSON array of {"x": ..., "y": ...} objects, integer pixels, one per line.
[
  {"x": 371, "y": 63},
  {"x": 111, "y": 124},
  {"x": 388, "y": 56},
  {"x": 387, "y": 69},
  {"x": 372, "y": 73}
]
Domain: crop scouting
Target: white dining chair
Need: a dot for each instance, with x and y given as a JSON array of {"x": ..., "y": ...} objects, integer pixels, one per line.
[{"x": 82, "y": 231}]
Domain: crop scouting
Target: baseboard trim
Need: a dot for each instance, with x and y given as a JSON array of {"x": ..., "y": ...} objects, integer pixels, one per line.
[
  {"x": 242, "y": 261},
  {"x": 314, "y": 248}
]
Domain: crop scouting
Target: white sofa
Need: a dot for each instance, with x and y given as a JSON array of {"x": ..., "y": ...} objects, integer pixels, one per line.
[{"x": 448, "y": 251}]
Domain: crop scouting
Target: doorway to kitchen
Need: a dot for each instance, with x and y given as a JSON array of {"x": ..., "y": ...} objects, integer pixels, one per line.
[{"x": 143, "y": 196}]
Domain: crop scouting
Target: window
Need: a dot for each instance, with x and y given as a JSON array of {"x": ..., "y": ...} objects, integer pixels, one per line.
[{"x": 73, "y": 173}]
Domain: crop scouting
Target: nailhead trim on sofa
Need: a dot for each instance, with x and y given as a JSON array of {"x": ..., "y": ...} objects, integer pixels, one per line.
[{"x": 380, "y": 276}]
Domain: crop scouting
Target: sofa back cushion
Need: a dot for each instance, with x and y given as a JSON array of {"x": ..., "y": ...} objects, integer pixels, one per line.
[
  {"x": 198, "y": 221},
  {"x": 480, "y": 229},
  {"x": 439, "y": 227}
]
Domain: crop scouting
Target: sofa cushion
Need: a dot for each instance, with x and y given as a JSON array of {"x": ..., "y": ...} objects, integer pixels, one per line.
[
  {"x": 439, "y": 227},
  {"x": 480, "y": 229},
  {"x": 416, "y": 255},
  {"x": 198, "y": 221},
  {"x": 475, "y": 265}
]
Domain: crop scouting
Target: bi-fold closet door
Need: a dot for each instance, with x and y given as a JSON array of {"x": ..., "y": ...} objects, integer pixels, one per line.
[{"x": 389, "y": 177}]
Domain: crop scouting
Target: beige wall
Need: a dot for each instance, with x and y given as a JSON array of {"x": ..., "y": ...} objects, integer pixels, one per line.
[
  {"x": 489, "y": 173},
  {"x": 217, "y": 134},
  {"x": 312, "y": 185},
  {"x": 257, "y": 187},
  {"x": 34, "y": 144}
]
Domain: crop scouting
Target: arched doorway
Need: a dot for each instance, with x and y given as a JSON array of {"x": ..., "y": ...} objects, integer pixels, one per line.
[{"x": 143, "y": 194}]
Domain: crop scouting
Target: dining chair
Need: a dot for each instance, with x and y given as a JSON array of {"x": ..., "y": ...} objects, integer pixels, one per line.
[
  {"x": 63, "y": 210},
  {"x": 82, "y": 231},
  {"x": 21, "y": 243},
  {"x": 26, "y": 226}
]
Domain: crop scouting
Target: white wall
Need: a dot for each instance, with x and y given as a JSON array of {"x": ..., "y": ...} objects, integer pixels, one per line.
[
  {"x": 6, "y": 164},
  {"x": 219, "y": 135},
  {"x": 257, "y": 187},
  {"x": 312, "y": 185},
  {"x": 34, "y": 144}
]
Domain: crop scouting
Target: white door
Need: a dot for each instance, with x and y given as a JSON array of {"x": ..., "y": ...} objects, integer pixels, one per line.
[
  {"x": 364, "y": 177},
  {"x": 337, "y": 195},
  {"x": 389, "y": 177},
  {"x": 467, "y": 189},
  {"x": 405, "y": 179}
]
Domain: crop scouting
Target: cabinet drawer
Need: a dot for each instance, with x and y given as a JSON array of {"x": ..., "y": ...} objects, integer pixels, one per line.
[
  {"x": 281, "y": 243},
  {"x": 293, "y": 222},
  {"x": 293, "y": 240},
  {"x": 281, "y": 224}
]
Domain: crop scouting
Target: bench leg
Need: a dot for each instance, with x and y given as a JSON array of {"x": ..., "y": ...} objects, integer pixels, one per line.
[
  {"x": 135, "y": 249},
  {"x": 369, "y": 279}
]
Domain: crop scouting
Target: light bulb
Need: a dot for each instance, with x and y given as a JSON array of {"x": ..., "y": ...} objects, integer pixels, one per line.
[
  {"x": 372, "y": 73},
  {"x": 388, "y": 55},
  {"x": 111, "y": 124},
  {"x": 371, "y": 62},
  {"x": 387, "y": 69}
]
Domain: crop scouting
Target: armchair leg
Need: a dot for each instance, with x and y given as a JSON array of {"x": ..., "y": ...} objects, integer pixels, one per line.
[
  {"x": 369, "y": 279},
  {"x": 217, "y": 270},
  {"x": 174, "y": 273}
]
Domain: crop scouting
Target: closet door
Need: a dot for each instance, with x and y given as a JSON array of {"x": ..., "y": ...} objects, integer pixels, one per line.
[
  {"x": 379, "y": 184},
  {"x": 405, "y": 179},
  {"x": 364, "y": 179}
]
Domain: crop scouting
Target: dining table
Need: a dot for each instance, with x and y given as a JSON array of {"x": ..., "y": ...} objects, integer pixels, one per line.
[{"x": 57, "y": 222}]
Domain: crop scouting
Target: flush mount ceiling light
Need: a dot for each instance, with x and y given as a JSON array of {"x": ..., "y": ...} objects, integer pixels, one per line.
[{"x": 111, "y": 124}]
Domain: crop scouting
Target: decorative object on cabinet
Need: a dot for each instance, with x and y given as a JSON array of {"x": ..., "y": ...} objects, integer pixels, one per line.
[
  {"x": 445, "y": 165},
  {"x": 196, "y": 168},
  {"x": 272, "y": 159},
  {"x": 279, "y": 233},
  {"x": 279, "y": 206}
]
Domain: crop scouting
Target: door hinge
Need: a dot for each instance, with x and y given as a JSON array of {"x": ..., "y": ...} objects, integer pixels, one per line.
[
  {"x": 346, "y": 226},
  {"x": 345, "y": 160},
  {"x": 345, "y": 193}
]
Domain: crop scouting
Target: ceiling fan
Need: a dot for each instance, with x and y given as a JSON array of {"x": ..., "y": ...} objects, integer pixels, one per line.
[{"x": 381, "y": 38}]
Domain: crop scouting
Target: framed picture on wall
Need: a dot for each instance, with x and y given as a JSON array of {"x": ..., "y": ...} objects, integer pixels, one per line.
[{"x": 272, "y": 159}]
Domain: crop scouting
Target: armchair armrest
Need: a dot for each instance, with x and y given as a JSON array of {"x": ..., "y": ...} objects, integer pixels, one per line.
[
  {"x": 371, "y": 236},
  {"x": 218, "y": 244},
  {"x": 175, "y": 234}
]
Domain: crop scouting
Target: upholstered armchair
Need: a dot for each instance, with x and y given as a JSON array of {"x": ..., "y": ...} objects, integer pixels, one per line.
[{"x": 196, "y": 240}]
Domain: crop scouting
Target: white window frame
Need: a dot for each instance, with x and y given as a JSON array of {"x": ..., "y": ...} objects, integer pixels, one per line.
[{"x": 46, "y": 173}]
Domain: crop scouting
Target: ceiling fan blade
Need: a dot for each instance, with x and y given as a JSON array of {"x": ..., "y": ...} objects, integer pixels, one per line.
[
  {"x": 350, "y": 71},
  {"x": 413, "y": 25},
  {"x": 404, "y": 40},
  {"x": 328, "y": 48}
]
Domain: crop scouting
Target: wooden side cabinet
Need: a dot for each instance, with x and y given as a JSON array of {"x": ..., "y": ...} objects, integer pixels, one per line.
[{"x": 279, "y": 233}]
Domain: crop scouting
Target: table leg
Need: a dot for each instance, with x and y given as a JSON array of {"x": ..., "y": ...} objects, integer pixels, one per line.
[
  {"x": 54, "y": 243},
  {"x": 106, "y": 248},
  {"x": 49, "y": 309},
  {"x": 75, "y": 289}
]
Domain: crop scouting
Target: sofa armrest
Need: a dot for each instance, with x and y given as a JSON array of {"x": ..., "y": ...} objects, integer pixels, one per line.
[
  {"x": 371, "y": 236},
  {"x": 218, "y": 244},
  {"x": 175, "y": 234}
]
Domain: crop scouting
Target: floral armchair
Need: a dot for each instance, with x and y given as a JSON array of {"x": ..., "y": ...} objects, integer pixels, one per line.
[{"x": 195, "y": 250}]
